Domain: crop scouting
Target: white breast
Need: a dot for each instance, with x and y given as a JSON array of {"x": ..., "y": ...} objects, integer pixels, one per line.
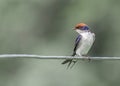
[{"x": 85, "y": 43}]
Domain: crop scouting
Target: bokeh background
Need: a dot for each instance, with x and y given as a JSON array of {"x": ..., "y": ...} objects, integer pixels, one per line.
[{"x": 44, "y": 27}]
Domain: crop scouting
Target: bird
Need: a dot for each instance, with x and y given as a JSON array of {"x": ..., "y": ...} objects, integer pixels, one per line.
[{"x": 83, "y": 43}]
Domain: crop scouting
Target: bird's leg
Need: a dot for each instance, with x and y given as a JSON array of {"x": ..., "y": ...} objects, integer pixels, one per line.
[{"x": 86, "y": 56}]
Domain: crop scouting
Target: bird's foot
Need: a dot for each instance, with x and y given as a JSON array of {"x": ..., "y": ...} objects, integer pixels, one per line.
[{"x": 88, "y": 57}]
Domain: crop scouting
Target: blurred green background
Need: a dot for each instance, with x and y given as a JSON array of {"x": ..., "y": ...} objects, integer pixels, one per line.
[{"x": 44, "y": 27}]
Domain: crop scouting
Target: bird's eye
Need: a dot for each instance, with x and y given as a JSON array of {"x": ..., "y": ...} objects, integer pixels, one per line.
[
  {"x": 77, "y": 27},
  {"x": 80, "y": 28}
]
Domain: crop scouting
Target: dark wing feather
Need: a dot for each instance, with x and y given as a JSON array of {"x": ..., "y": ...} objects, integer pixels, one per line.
[
  {"x": 74, "y": 50},
  {"x": 76, "y": 44}
]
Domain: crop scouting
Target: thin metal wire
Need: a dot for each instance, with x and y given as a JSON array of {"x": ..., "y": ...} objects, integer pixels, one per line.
[{"x": 54, "y": 57}]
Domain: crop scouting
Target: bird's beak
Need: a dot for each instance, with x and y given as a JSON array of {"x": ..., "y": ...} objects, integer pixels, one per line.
[{"x": 74, "y": 28}]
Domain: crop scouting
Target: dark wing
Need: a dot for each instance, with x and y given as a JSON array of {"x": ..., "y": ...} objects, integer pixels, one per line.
[
  {"x": 74, "y": 51},
  {"x": 76, "y": 44}
]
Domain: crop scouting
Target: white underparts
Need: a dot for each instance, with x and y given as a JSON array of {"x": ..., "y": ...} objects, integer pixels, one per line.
[{"x": 87, "y": 39}]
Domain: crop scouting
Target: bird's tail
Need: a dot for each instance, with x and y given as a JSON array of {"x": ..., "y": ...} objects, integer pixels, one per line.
[{"x": 69, "y": 61}]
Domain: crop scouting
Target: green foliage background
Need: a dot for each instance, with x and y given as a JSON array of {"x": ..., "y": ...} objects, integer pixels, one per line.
[{"x": 44, "y": 27}]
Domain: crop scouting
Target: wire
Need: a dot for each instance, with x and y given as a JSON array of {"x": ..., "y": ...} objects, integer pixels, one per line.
[{"x": 54, "y": 57}]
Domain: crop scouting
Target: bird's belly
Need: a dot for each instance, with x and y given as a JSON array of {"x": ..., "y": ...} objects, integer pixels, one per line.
[{"x": 84, "y": 46}]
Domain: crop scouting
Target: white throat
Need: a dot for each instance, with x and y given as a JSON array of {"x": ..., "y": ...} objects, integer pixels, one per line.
[{"x": 82, "y": 31}]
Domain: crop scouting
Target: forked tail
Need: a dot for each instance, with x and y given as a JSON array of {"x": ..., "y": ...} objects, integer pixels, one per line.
[{"x": 69, "y": 61}]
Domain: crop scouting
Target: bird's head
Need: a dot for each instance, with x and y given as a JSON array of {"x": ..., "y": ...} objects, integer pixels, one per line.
[{"x": 81, "y": 27}]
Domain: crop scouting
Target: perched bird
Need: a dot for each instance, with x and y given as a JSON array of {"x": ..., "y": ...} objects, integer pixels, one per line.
[{"x": 83, "y": 42}]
